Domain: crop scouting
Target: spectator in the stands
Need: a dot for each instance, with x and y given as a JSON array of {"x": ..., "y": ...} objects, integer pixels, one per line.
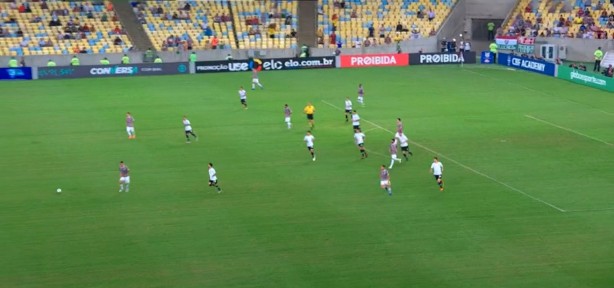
[
  {"x": 367, "y": 42},
  {"x": 354, "y": 14},
  {"x": 187, "y": 7},
  {"x": 399, "y": 27},
  {"x": 117, "y": 40},
  {"x": 89, "y": 15},
  {"x": 214, "y": 42},
  {"x": 382, "y": 31},
  {"x": 388, "y": 40},
  {"x": 371, "y": 31},
  {"x": 208, "y": 32},
  {"x": 609, "y": 72},
  {"x": 332, "y": 38},
  {"x": 117, "y": 30},
  {"x": 44, "y": 5},
  {"x": 431, "y": 15},
  {"x": 19, "y": 32}
]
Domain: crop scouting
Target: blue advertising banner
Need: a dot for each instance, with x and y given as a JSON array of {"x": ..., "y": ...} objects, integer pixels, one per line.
[
  {"x": 98, "y": 71},
  {"x": 487, "y": 57},
  {"x": 533, "y": 65},
  {"x": 18, "y": 73}
]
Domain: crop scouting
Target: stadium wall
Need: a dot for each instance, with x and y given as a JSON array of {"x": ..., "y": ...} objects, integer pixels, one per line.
[
  {"x": 580, "y": 50},
  {"x": 408, "y": 46},
  {"x": 137, "y": 57}
]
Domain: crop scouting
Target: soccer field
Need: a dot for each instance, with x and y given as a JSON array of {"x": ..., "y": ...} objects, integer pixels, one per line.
[{"x": 528, "y": 168}]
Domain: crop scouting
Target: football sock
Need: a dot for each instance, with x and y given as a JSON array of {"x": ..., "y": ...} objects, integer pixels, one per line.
[
  {"x": 391, "y": 164},
  {"x": 121, "y": 187},
  {"x": 253, "y": 86},
  {"x": 127, "y": 186}
]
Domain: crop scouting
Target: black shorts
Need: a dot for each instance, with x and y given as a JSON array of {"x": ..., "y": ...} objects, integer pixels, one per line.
[
  {"x": 243, "y": 101},
  {"x": 188, "y": 132},
  {"x": 309, "y": 116},
  {"x": 212, "y": 182},
  {"x": 356, "y": 126},
  {"x": 309, "y": 148},
  {"x": 437, "y": 177},
  {"x": 361, "y": 145},
  {"x": 406, "y": 148},
  {"x": 348, "y": 111}
]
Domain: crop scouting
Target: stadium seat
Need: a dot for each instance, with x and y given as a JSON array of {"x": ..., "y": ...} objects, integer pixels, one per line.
[{"x": 33, "y": 33}]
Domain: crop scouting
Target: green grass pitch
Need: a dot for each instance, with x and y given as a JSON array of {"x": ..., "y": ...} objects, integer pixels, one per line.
[{"x": 528, "y": 167}]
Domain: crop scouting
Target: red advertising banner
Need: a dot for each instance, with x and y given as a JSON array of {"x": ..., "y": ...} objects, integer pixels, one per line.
[{"x": 370, "y": 60}]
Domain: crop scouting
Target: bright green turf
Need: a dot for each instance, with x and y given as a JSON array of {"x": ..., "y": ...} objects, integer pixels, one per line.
[{"x": 285, "y": 221}]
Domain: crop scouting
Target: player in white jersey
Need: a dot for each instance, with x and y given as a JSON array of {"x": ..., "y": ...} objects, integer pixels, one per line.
[
  {"x": 124, "y": 177},
  {"x": 309, "y": 141},
  {"x": 243, "y": 97},
  {"x": 187, "y": 127},
  {"x": 213, "y": 178},
  {"x": 348, "y": 109},
  {"x": 384, "y": 180},
  {"x": 393, "y": 153},
  {"x": 130, "y": 126},
  {"x": 255, "y": 80},
  {"x": 359, "y": 139},
  {"x": 361, "y": 95},
  {"x": 404, "y": 143},
  {"x": 437, "y": 170},
  {"x": 355, "y": 120},
  {"x": 288, "y": 115}
]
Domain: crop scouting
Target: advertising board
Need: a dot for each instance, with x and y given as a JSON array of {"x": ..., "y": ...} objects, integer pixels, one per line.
[{"x": 62, "y": 72}]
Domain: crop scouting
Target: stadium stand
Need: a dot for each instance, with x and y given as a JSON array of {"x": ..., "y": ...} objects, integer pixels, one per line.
[
  {"x": 54, "y": 27},
  {"x": 356, "y": 21},
  {"x": 265, "y": 24},
  {"x": 591, "y": 19},
  {"x": 183, "y": 24}
]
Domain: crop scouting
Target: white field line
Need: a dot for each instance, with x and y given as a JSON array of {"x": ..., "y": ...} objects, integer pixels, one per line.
[
  {"x": 590, "y": 210},
  {"x": 569, "y": 130},
  {"x": 370, "y": 129},
  {"x": 533, "y": 90},
  {"x": 464, "y": 166}
]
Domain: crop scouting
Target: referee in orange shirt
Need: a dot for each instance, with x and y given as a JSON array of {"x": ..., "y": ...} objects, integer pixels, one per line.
[{"x": 309, "y": 110}]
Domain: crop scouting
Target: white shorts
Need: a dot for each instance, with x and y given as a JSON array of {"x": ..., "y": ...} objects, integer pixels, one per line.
[
  {"x": 255, "y": 81},
  {"x": 125, "y": 180},
  {"x": 384, "y": 183},
  {"x": 188, "y": 128},
  {"x": 393, "y": 156},
  {"x": 360, "y": 97},
  {"x": 130, "y": 130},
  {"x": 287, "y": 119}
]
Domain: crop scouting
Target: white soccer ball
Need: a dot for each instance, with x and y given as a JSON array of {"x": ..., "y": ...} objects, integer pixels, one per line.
[{"x": 59, "y": 190}]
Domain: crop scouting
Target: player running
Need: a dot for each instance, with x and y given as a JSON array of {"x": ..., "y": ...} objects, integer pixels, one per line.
[
  {"x": 393, "y": 153},
  {"x": 124, "y": 177},
  {"x": 130, "y": 126},
  {"x": 384, "y": 180},
  {"x": 355, "y": 120},
  {"x": 187, "y": 126},
  {"x": 213, "y": 178},
  {"x": 404, "y": 143},
  {"x": 288, "y": 115},
  {"x": 255, "y": 80},
  {"x": 309, "y": 141},
  {"x": 348, "y": 109},
  {"x": 437, "y": 170},
  {"x": 361, "y": 95},
  {"x": 359, "y": 138},
  {"x": 243, "y": 97}
]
